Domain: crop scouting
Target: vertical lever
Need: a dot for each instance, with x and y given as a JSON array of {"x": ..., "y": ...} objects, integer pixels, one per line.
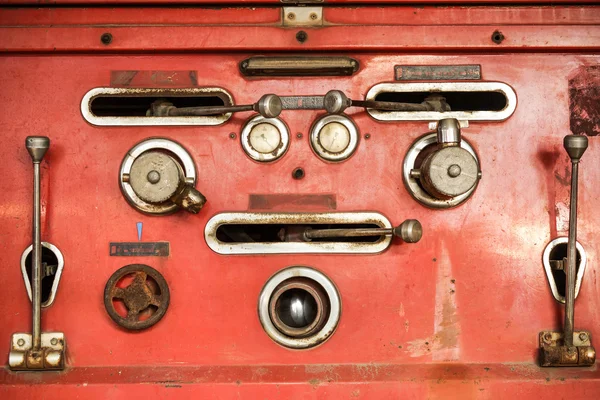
[
  {"x": 37, "y": 351},
  {"x": 575, "y": 145},
  {"x": 570, "y": 347},
  {"x": 37, "y": 147}
]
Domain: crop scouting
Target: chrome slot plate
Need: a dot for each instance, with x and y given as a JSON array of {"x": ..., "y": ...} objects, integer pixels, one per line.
[
  {"x": 89, "y": 116},
  {"x": 441, "y": 87},
  {"x": 210, "y": 233}
]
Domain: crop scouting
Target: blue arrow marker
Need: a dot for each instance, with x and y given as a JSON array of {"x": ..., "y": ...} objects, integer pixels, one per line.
[{"x": 139, "y": 230}]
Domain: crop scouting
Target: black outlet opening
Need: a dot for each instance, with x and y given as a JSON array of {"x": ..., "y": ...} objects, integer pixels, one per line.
[
  {"x": 138, "y": 106},
  {"x": 558, "y": 253},
  {"x": 49, "y": 264},
  {"x": 458, "y": 101},
  {"x": 277, "y": 233}
]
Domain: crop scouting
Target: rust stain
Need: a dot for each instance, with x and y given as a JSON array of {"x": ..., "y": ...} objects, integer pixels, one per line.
[
  {"x": 294, "y": 202},
  {"x": 584, "y": 101},
  {"x": 153, "y": 78}
]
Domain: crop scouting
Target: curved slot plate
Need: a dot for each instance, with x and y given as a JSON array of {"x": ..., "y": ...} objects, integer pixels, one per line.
[
  {"x": 60, "y": 265},
  {"x": 440, "y": 88},
  {"x": 548, "y": 268},
  {"x": 236, "y": 218},
  {"x": 86, "y": 106}
]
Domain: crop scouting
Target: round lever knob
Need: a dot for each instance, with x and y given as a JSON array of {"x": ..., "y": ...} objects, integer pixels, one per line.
[
  {"x": 269, "y": 106},
  {"x": 37, "y": 147},
  {"x": 411, "y": 231},
  {"x": 335, "y": 102},
  {"x": 575, "y": 145}
]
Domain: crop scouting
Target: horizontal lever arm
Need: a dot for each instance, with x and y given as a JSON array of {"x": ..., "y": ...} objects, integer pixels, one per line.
[
  {"x": 410, "y": 231},
  {"x": 269, "y": 106}
]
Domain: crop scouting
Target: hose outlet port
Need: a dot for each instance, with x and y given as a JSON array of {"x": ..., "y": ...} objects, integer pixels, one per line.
[{"x": 299, "y": 307}]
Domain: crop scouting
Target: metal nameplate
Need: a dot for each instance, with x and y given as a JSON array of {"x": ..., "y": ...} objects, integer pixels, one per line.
[
  {"x": 436, "y": 72},
  {"x": 143, "y": 249}
]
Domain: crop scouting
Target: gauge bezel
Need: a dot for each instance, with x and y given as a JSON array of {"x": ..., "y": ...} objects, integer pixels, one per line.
[
  {"x": 279, "y": 152},
  {"x": 323, "y": 153}
]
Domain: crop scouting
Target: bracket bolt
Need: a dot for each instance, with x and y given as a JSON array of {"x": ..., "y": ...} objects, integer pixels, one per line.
[
  {"x": 547, "y": 338},
  {"x": 291, "y": 16},
  {"x": 583, "y": 336},
  {"x": 21, "y": 342},
  {"x": 54, "y": 341},
  {"x": 313, "y": 16}
]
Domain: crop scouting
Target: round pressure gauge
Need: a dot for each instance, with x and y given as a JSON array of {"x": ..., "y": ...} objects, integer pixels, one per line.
[
  {"x": 334, "y": 137},
  {"x": 265, "y": 139}
]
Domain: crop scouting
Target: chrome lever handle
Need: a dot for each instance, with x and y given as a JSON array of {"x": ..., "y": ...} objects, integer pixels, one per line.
[
  {"x": 269, "y": 106},
  {"x": 37, "y": 146},
  {"x": 575, "y": 145}
]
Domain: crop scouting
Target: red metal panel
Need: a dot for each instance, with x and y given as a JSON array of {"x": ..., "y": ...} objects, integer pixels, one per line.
[{"x": 453, "y": 316}]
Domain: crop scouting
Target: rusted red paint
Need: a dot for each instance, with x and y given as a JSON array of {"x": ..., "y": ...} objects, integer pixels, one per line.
[
  {"x": 292, "y": 202},
  {"x": 455, "y": 315},
  {"x": 584, "y": 101},
  {"x": 153, "y": 78}
]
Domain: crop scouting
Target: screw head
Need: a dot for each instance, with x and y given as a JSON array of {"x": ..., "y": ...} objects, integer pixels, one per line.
[
  {"x": 21, "y": 342},
  {"x": 232, "y": 135},
  {"x": 291, "y": 16},
  {"x": 54, "y": 341},
  {"x": 583, "y": 336},
  {"x": 313, "y": 16},
  {"x": 367, "y": 136},
  {"x": 497, "y": 37},
  {"x": 153, "y": 177},
  {"x": 106, "y": 38},
  {"x": 301, "y": 36},
  {"x": 298, "y": 173},
  {"x": 299, "y": 135},
  {"x": 547, "y": 337}
]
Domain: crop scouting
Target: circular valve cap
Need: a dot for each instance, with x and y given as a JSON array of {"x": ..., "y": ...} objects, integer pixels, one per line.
[
  {"x": 155, "y": 177},
  {"x": 144, "y": 300},
  {"x": 449, "y": 172}
]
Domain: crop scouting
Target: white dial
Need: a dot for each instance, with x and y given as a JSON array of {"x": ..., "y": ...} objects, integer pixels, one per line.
[
  {"x": 264, "y": 138},
  {"x": 334, "y": 137}
]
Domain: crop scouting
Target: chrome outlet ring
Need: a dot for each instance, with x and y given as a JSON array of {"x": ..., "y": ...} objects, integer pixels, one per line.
[
  {"x": 189, "y": 169},
  {"x": 330, "y": 325},
  {"x": 412, "y": 184}
]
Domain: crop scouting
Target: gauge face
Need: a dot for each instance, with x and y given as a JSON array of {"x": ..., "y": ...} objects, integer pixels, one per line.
[
  {"x": 334, "y": 137},
  {"x": 265, "y": 139}
]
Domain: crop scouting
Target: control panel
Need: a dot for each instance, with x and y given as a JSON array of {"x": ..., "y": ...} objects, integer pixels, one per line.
[{"x": 336, "y": 204}]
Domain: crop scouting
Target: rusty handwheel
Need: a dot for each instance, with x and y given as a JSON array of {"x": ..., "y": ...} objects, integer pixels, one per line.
[{"x": 136, "y": 296}]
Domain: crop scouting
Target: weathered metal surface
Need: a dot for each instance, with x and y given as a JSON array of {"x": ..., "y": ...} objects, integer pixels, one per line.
[
  {"x": 555, "y": 352},
  {"x": 146, "y": 298},
  {"x": 439, "y": 319},
  {"x": 139, "y": 249},
  {"x": 298, "y": 66},
  {"x": 437, "y": 72}
]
